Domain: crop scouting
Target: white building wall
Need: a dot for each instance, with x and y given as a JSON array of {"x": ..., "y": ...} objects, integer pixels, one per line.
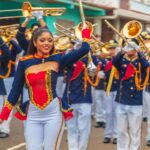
[{"x": 108, "y": 3}]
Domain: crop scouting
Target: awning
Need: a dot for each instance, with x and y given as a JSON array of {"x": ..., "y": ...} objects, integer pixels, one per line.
[
  {"x": 132, "y": 14},
  {"x": 89, "y": 10}
]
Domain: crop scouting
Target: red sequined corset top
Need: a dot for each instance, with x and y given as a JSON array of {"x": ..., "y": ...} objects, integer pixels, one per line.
[{"x": 40, "y": 87}]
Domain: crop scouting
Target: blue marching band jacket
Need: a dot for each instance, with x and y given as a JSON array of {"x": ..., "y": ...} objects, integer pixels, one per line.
[
  {"x": 106, "y": 67},
  {"x": 21, "y": 38},
  {"x": 4, "y": 60},
  {"x": 127, "y": 90}
]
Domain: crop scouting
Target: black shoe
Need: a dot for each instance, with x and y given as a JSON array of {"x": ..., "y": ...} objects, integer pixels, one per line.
[
  {"x": 148, "y": 143},
  {"x": 103, "y": 125},
  {"x": 114, "y": 141},
  {"x": 4, "y": 135},
  {"x": 106, "y": 140},
  {"x": 145, "y": 119},
  {"x": 99, "y": 125}
]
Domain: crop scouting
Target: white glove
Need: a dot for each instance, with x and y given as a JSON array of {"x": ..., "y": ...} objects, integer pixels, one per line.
[
  {"x": 130, "y": 46},
  {"x": 101, "y": 74},
  {"x": 37, "y": 14}
]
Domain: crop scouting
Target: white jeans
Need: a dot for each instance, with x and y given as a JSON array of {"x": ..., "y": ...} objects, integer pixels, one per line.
[
  {"x": 44, "y": 128},
  {"x": 147, "y": 104},
  {"x": 5, "y": 126},
  {"x": 111, "y": 121},
  {"x": 100, "y": 105},
  {"x": 79, "y": 127},
  {"x": 129, "y": 120}
]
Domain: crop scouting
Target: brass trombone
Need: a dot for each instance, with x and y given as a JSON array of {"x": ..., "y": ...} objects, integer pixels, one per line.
[
  {"x": 131, "y": 29},
  {"x": 27, "y": 10},
  {"x": 8, "y": 31},
  {"x": 95, "y": 44}
]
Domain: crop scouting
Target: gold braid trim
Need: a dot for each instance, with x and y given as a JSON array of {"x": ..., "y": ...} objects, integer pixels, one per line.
[
  {"x": 88, "y": 80},
  {"x": 20, "y": 111},
  {"x": 8, "y": 72},
  {"x": 8, "y": 105},
  {"x": 112, "y": 74},
  {"x": 12, "y": 62},
  {"x": 138, "y": 78}
]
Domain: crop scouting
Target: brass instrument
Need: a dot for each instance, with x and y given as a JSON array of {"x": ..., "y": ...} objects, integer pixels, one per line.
[
  {"x": 8, "y": 32},
  {"x": 27, "y": 10},
  {"x": 96, "y": 45},
  {"x": 91, "y": 68},
  {"x": 116, "y": 31},
  {"x": 133, "y": 29},
  {"x": 67, "y": 32},
  {"x": 63, "y": 43}
]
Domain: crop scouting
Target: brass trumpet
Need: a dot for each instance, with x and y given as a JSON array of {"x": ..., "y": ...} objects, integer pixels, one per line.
[{"x": 27, "y": 10}]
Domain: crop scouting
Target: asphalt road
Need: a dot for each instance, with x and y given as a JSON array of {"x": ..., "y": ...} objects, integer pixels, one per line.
[{"x": 16, "y": 139}]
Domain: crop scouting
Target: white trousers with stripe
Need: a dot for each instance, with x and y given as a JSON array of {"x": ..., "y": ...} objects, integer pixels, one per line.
[
  {"x": 44, "y": 128},
  {"x": 129, "y": 121},
  {"x": 147, "y": 104},
  {"x": 100, "y": 105},
  {"x": 5, "y": 126},
  {"x": 111, "y": 122},
  {"x": 79, "y": 127}
]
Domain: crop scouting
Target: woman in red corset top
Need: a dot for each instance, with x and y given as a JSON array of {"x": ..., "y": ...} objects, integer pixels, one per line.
[{"x": 39, "y": 71}]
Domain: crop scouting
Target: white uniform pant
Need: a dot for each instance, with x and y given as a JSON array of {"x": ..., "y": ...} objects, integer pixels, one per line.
[
  {"x": 100, "y": 105},
  {"x": 93, "y": 102},
  {"x": 111, "y": 121},
  {"x": 60, "y": 86},
  {"x": 44, "y": 128},
  {"x": 79, "y": 127},
  {"x": 25, "y": 95},
  {"x": 129, "y": 120},
  {"x": 145, "y": 107},
  {"x": 5, "y": 126},
  {"x": 147, "y": 103}
]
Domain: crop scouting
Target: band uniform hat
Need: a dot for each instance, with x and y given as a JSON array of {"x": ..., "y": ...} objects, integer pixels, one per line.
[
  {"x": 112, "y": 44},
  {"x": 145, "y": 35},
  {"x": 134, "y": 40}
]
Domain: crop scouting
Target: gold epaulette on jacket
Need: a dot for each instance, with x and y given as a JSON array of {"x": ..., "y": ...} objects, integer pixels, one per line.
[{"x": 26, "y": 57}]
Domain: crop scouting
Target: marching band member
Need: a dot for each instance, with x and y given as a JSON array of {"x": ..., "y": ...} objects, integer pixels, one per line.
[
  {"x": 110, "y": 105},
  {"x": 99, "y": 96},
  {"x": 133, "y": 76},
  {"x": 39, "y": 70},
  {"x": 23, "y": 36},
  {"x": 146, "y": 38},
  {"x": 78, "y": 95},
  {"x": 14, "y": 50},
  {"x": 4, "y": 60}
]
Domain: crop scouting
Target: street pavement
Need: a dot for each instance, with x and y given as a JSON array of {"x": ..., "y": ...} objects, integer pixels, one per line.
[{"x": 16, "y": 139}]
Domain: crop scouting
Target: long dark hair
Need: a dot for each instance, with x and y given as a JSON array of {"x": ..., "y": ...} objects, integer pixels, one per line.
[{"x": 32, "y": 49}]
